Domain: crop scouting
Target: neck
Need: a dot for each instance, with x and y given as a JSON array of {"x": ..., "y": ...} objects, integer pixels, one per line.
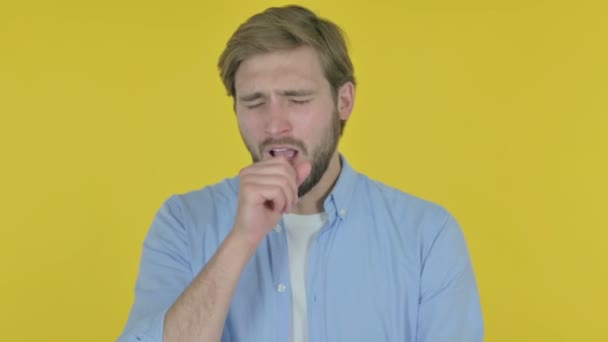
[{"x": 312, "y": 202}]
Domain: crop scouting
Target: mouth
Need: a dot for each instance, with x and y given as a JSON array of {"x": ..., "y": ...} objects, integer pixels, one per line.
[{"x": 288, "y": 153}]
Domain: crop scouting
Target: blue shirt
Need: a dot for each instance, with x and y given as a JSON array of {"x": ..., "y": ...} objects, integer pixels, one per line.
[{"x": 387, "y": 266}]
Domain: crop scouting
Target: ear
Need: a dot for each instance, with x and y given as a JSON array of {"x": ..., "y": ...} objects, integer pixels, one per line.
[{"x": 346, "y": 100}]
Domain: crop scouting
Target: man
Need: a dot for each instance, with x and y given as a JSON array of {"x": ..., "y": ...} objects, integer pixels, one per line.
[{"x": 299, "y": 246}]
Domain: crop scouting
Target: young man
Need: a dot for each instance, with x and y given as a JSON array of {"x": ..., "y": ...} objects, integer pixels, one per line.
[{"x": 299, "y": 246}]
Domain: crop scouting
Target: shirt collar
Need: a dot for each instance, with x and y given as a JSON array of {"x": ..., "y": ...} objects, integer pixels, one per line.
[{"x": 339, "y": 199}]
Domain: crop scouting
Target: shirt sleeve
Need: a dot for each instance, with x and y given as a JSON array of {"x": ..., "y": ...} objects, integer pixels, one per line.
[
  {"x": 164, "y": 273},
  {"x": 450, "y": 308}
]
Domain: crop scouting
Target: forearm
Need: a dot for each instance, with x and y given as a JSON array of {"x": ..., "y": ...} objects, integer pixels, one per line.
[{"x": 200, "y": 312}]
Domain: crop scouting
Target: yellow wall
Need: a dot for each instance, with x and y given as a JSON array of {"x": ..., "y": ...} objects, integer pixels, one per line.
[{"x": 497, "y": 110}]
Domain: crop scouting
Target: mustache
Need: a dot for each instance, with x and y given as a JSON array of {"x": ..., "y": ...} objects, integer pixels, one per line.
[{"x": 282, "y": 141}]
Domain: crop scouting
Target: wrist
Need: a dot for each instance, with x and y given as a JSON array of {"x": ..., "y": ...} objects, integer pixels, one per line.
[{"x": 244, "y": 241}]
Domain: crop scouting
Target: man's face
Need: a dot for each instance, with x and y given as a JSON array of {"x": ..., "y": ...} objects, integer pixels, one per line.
[{"x": 285, "y": 107}]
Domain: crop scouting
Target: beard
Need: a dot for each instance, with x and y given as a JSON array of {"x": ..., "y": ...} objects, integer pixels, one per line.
[{"x": 319, "y": 156}]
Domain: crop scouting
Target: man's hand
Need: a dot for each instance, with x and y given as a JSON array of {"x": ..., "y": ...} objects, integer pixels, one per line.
[{"x": 267, "y": 189}]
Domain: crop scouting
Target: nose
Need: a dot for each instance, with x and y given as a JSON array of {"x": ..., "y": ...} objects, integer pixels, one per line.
[{"x": 277, "y": 122}]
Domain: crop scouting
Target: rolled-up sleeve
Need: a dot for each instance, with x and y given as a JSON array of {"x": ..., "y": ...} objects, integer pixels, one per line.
[
  {"x": 164, "y": 273},
  {"x": 449, "y": 309}
]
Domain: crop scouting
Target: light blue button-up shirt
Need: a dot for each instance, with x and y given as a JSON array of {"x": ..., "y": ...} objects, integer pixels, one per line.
[{"x": 387, "y": 266}]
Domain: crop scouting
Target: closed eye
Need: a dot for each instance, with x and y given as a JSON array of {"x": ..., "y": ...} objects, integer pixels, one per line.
[
  {"x": 255, "y": 105},
  {"x": 300, "y": 101}
]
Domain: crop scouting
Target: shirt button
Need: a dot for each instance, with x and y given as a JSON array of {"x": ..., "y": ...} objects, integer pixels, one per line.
[
  {"x": 281, "y": 287},
  {"x": 342, "y": 212}
]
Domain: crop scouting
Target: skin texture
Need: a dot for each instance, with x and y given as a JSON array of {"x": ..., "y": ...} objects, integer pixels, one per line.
[{"x": 282, "y": 100}]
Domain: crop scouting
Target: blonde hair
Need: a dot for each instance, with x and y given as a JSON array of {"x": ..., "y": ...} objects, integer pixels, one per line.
[{"x": 281, "y": 28}]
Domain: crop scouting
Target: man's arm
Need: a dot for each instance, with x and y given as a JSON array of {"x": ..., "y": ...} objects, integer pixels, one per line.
[
  {"x": 450, "y": 309},
  {"x": 200, "y": 312},
  {"x": 201, "y": 309},
  {"x": 266, "y": 190}
]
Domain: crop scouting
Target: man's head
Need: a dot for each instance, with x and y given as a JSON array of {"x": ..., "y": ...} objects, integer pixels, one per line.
[{"x": 293, "y": 86}]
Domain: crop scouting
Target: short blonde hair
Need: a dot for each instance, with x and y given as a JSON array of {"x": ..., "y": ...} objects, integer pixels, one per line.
[{"x": 281, "y": 28}]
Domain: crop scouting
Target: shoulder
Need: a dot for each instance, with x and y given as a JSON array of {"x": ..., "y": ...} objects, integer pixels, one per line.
[
  {"x": 219, "y": 193},
  {"x": 401, "y": 202},
  {"x": 204, "y": 203},
  {"x": 420, "y": 219}
]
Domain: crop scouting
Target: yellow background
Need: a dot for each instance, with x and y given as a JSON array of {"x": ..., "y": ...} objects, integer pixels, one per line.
[{"x": 495, "y": 109}]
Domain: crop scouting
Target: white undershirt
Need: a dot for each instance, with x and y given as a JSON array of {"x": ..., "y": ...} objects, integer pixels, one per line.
[{"x": 300, "y": 230}]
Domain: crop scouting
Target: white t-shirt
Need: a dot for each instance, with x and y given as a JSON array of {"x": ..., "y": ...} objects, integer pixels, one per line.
[{"x": 300, "y": 230}]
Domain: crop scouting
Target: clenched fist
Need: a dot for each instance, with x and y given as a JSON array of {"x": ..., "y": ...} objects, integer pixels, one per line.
[{"x": 267, "y": 190}]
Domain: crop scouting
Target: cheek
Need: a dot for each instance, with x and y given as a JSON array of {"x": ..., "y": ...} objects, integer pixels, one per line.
[
  {"x": 321, "y": 115},
  {"x": 248, "y": 126},
  {"x": 312, "y": 127},
  {"x": 310, "y": 117}
]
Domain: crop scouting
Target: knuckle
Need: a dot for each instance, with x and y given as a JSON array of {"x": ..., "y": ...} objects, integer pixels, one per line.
[
  {"x": 284, "y": 181},
  {"x": 286, "y": 166},
  {"x": 277, "y": 194},
  {"x": 248, "y": 186}
]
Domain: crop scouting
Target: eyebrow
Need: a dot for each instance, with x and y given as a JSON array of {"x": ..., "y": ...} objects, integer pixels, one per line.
[
  {"x": 298, "y": 92},
  {"x": 250, "y": 97}
]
